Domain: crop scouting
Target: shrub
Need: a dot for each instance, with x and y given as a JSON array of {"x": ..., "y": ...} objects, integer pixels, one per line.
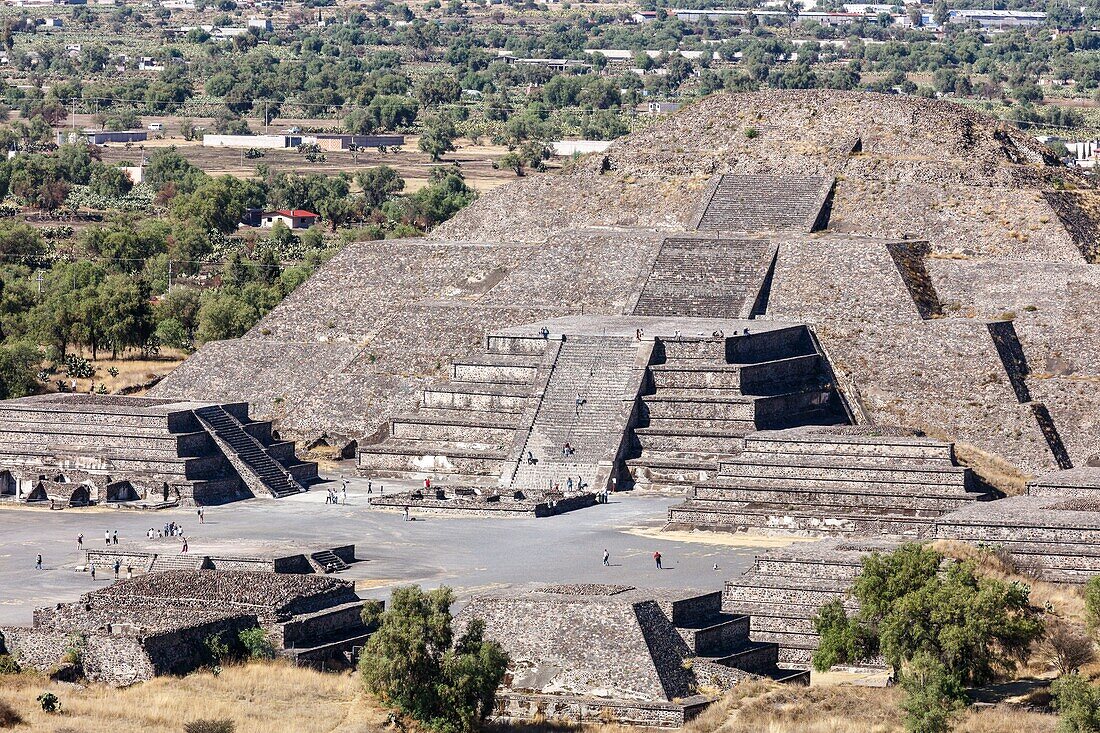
[
  {"x": 9, "y": 718},
  {"x": 256, "y": 644},
  {"x": 413, "y": 662},
  {"x": 8, "y": 665},
  {"x": 1065, "y": 647},
  {"x": 50, "y": 702},
  {"x": 1092, "y": 603},
  {"x": 751, "y": 133},
  {"x": 1078, "y": 704},
  {"x": 372, "y": 612},
  {"x": 933, "y": 695},
  {"x": 210, "y": 726}
]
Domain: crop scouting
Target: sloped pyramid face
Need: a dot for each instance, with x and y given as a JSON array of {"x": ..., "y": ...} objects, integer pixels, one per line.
[{"x": 914, "y": 224}]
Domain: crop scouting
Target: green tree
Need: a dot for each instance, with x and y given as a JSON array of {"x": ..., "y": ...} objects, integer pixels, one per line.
[
  {"x": 18, "y": 240},
  {"x": 940, "y": 13},
  {"x": 933, "y": 695},
  {"x": 224, "y": 315},
  {"x": 19, "y": 364},
  {"x": 216, "y": 204},
  {"x": 379, "y": 185},
  {"x": 1078, "y": 704},
  {"x": 1092, "y": 603},
  {"x": 438, "y": 137},
  {"x": 414, "y": 663}
]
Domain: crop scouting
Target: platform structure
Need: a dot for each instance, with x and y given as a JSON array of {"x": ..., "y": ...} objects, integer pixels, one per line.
[
  {"x": 1052, "y": 533},
  {"x": 73, "y": 449},
  {"x": 593, "y": 652},
  {"x": 851, "y": 481},
  {"x": 556, "y": 412},
  {"x": 160, "y": 623}
]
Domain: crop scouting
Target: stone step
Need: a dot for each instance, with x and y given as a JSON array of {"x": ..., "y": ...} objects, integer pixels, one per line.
[
  {"x": 665, "y": 440},
  {"x": 427, "y": 457},
  {"x": 726, "y": 516},
  {"x": 825, "y": 503},
  {"x": 328, "y": 561},
  {"x": 498, "y": 343},
  {"x": 496, "y": 369},
  {"x": 822, "y": 469},
  {"x": 826, "y": 444},
  {"x": 502, "y": 398},
  {"x": 751, "y": 657},
  {"x": 455, "y": 425}
]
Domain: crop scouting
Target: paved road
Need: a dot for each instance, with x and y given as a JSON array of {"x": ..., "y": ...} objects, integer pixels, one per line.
[{"x": 466, "y": 553}]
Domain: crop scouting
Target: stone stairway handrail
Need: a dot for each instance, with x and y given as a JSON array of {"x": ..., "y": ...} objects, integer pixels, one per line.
[{"x": 255, "y": 470}]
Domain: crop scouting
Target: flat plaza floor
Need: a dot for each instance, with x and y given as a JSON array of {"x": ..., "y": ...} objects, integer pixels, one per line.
[{"x": 468, "y": 554}]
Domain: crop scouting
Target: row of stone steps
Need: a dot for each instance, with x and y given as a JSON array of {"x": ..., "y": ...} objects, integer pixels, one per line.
[
  {"x": 786, "y": 588},
  {"x": 274, "y": 476},
  {"x": 463, "y": 432},
  {"x": 701, "y": 405},
  {"x": 839, "y": 481}
]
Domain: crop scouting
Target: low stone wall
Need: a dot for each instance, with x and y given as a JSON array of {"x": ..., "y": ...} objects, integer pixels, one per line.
[{"x": 595, "y": 710}]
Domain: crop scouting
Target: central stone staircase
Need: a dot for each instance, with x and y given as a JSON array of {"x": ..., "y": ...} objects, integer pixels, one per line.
[
  {"x": 250, "y": 454},
  {"x": 705, "y": 393},
  {"x": 759, "y": 203},
  {"x": 587, "y": 405}
]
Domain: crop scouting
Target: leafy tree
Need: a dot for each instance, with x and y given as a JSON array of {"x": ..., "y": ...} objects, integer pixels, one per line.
[
  {"x": 224, "y": 314},
  {"x": 940, "y": 12},
  {"x": 444, "y": 196},
  {"x": 257, "y": 644},
  {"x": 19, "y": 364},
  {"x": 167, "y": 167},
  {"x": 414, "y": 663},
  {"x": 218, "y": 204},
  {"x": 1078, "y": 704},
  {"x": 1092, "y": 603},
  {"x": 908, "y": 604},
  {"x": 438, "y": 137},
  {"x": 933, "y": 695},
  {"x": 21, "y": 240},
  {"x": 379, "y": 185}
]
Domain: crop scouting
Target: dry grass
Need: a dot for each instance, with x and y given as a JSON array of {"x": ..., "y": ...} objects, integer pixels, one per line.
[
  {"x": 279, "y": 698},
  {"x": 994, "y": 470},
  {"x": 259, "y": 698},
  {"x": 131, "y": 371}
]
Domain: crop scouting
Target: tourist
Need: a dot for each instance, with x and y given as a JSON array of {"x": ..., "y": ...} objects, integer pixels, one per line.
[
  {"x": 38, "y": 562},
  {"x": 114, "y": 537},
  {"x": 184, "y": 548},
  {"x": 129, "y": 572},
  {"x": 370, "y": 490},
  {"x": 544, "y": 332},
  {"x": 406, "y": 513},
  {"x": 80, "y": 541},
  {"x": 606, "y": 559},
  {"x": 569, "y": 484},
  {"x": 118, "y": 566},
  {"x": 637, "y": 334},
  {"x": 344, "y": 492},
  {"x": 530, "y": 458},
  {"x": 427, "y": 484},
  {"x": 657, "y": 559},
  {"x": 93, "y": 573},
  {"x": 201, "y": 513},
  {"x": 107, "y": 537},
  {"x": 716, "y": 567},
  {"x": 676, "y": 335}
]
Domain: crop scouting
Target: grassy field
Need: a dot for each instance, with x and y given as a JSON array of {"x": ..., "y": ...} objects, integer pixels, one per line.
[{"x": 278, "y": 698}]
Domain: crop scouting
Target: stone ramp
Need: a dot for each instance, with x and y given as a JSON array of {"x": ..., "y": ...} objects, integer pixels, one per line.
[
  {"x": 832, "y": 481},
  {"x": 587, "y": 405},
  {"x": 709, "y": 278},
  {"x": 249, "y": 456},
  {"x": 763, "y": 203}
]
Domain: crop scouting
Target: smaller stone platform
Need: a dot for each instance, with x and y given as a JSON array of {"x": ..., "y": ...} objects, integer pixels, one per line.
[
  {"x": 149, "y": 560},
  {"x": 1052, "y": 537},
  {"x": 833, "y": 480},
  {"x": 469, "y": 501},
  {"x": 80, "y": 449},
  {"x": 158, "y": 623},
  {"x": 639, "y": 656}
]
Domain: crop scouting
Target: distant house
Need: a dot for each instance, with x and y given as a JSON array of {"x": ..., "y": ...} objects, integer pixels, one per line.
[
  {"x": 293, "y": 218},
  {"x": 101, "y": 137}
]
